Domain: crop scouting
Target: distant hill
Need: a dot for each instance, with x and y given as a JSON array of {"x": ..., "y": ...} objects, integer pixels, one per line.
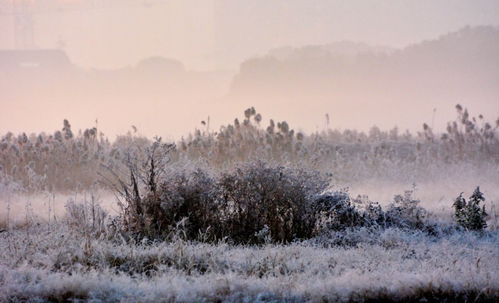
[
  {"x": 459, "y": 67},
  {"x": 358, "y": 85},
  {"x": 345, "y": 49},
  {"x": 45, "y": 81}
]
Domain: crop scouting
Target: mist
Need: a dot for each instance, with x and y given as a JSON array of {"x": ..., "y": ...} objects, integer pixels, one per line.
[
  {"x": 249, "y": 151},
  {"x": 136, "y": 62}
]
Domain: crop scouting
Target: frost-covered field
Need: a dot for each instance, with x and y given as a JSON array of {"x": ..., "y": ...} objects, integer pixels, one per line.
[
  {"x": 252, "y": 214},
  {"x": 55, "y": 263}
]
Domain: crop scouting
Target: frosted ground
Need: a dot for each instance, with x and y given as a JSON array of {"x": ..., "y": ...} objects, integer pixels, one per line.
[
  {"x": 64, "y": 236},
  {"x": 56, "y": 264}
]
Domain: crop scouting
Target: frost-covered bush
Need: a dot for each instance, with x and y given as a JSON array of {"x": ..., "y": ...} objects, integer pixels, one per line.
[
  {"x": 252, "y": 203},
  {"x": 256, "y": 203},
  {"x": 183, "y": 197},
  {"x": 406, "y": 212},
  {"x": 256, "y": 197},
  {"x": 469, "y": 214},
  {"x": 335, "y": 211},
  {"x": 145, "y": 168}
]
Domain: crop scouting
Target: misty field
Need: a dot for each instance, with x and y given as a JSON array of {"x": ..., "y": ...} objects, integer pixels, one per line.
[{"x": 253, "y": 212}]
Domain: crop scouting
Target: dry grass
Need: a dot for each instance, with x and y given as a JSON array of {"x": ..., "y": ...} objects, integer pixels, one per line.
[
  {"x": 393, "y": 265},
  {"x": 81, "y": 252}
]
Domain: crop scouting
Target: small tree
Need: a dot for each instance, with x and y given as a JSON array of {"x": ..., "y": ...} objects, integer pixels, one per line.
[
  {"x": 145, "y": 170},
  {"x": 469, "y": 214},
  {"x": 406, "y": 212}
]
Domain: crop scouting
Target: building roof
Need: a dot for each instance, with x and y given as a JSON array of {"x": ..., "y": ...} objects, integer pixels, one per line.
[{"x": 40, "y": 59}]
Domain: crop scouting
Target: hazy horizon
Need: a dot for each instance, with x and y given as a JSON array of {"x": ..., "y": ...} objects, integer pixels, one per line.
[
  {"x": 220, "y": 34},
  {"x": 284, "y": 171},
  {"x": 164, "y": 66}
]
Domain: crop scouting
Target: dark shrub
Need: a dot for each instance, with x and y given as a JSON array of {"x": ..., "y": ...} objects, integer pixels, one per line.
[
  {"x": 182, "y": 197},
  {"x": 249, "y": 204},
  {"x": 146, "y": 167},
  {"x": 334, "y": 211},
  {"x": 469, "y": 214},
  {"x": 405, "y": 212},
  {"x": 259, "y": 198}
]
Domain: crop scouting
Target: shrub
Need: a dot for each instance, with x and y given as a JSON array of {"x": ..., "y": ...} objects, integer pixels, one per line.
[
  {"x": 182, "y": 197},
  {"x": 335, "y": 211},
  {"x": 405, "y": 212},
  {"x": 146, "y": 167},
  {"x": 469, "y": 214},
  {"x": 252, "y": 203},
  {"x": 257, "y": 198}
]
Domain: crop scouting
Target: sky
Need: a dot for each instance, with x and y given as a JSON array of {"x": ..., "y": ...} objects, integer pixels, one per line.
[
  {"x": 106, "y": 39},
  {"x": 219, "y": 34}
]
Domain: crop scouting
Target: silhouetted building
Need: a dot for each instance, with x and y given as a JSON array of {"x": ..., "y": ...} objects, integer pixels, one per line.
[{"x": 45, "y": 59}]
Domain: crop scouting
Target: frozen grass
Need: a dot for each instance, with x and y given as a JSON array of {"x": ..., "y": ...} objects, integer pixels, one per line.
[
  {"x": 65, "y": 162},
  {"x": 47, "y": 256},
  {"x": 394, "y": 265}
]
